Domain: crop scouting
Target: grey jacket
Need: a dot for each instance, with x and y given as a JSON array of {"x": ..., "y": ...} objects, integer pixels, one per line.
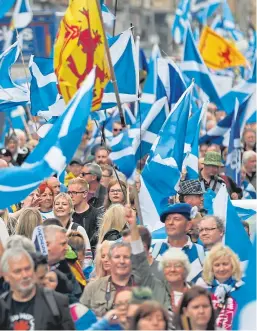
[{"x": 144, "y": 277}]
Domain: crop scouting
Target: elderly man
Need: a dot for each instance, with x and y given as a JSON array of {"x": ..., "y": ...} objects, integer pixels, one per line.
[
  {"x": 209, "y": 175},
  {"x": 29, "y": 306},
  {"x": 99, "y": 295},
  {"x": 92, "y": 173},
  {"x": 55, "y": 184},
  {"x": 249, "y": 140},
  {"x": 57, "y": 245},
  {"x": 177, "y": 224},
  {"x": 249, "y": 163},
  {"x": 211, "y": 231},
  {"x": 191, "y": 192}
]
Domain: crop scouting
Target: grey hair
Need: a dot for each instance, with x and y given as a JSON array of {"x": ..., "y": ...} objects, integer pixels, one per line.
[
  {"x": 175, "y": 254},
  {"x": 118, "y": 244},
  {"x": 95, "y": 169},
  {"x": 20, "y": 242},
  {"x": 51, "y": 230},
  {"x": 14, "y": 254},
  {"x": 219, "y": 222},
  {"x": 247, "y": 155}
]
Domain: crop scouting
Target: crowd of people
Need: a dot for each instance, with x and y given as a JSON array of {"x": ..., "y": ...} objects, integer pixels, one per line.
[{"x": 75, "y": 256}]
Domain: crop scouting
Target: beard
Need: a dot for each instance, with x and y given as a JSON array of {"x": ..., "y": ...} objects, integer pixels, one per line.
[{"x": 26, "y": 290}]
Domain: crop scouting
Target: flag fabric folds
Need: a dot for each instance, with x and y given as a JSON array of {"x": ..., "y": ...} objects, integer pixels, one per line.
[
  {"x": 11, "y": 94},
  {"x": 108, "y": 17},
  {"x": 203, "y": 9},
  {"x": 219, "y": 53},
  {"x": 53, "y": 152},
  {"x": 78, "y": 48},
  {"x": 223, "y": 208},
  {"x": 123, "y": 155},
  {"x": 5, "y": 6},
  {"x": 194, "y": 67},
  {"x": 180, "y": 22},
  {"x": 22, "y": 14},
  {"x": 245, "y": 296},
  {"x": 123, "y": 54},
  {"x": 233, "y": 162}
]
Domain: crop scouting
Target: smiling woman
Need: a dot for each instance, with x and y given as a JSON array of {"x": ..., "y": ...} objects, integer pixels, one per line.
[{"x": 46, "y": 195}]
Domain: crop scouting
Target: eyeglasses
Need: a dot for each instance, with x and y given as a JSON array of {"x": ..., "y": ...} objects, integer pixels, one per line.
[
  {"x": 75, "y": 193},
  {"x": 85, "y": 173},
  {"x": 116, "y": 130},
  {"x": 116, "y": 191},
  {"x": 206, "y": 229}
]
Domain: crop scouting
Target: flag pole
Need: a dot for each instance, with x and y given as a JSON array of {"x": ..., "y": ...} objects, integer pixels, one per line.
[
  {"x": 109, "y": 59},
  {"x": 115, "y": 14}
]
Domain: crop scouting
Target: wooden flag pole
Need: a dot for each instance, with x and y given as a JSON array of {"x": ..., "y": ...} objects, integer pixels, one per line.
[
  {"x": 115, "y": 14},
  {"x": 109, "y": 59}
]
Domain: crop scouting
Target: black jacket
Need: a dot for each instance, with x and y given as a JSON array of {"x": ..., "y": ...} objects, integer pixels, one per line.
[
  {"x": 97, "y": 200},
  {"x": 45, "y": 318}
]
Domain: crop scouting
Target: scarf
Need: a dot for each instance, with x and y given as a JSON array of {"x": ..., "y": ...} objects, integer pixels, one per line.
[{"x": 220, "y": 290}]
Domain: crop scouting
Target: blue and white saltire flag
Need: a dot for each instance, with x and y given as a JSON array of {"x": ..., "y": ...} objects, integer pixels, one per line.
[
  {"x": 245, "y": 296},
  {"x": 53, "y": 152},
  {"x": 229, "y": 22},
  {"x": 148, "y": 124},
  {"x": 123, "y": 155},
  {"x": 203, "y": 9},
  {"x": 249, "y": 191},
  {"x": 22, "y": 14},
  {"x": 179, "y": 27},
  {"x": 223, "y": 208},
  {"x": 108, "y": 16},
  {"x": 166, "y": 155},
  {"x": 194, "y": 67},
  {"x": 233, "y": 162},
  {"x": 240, "y": 91},
  {"x": 220, "y": 133},
  {"x": 11, "y": 94},
  {"x": 44, "y": 96},
  {"x": 21, "y": 18},
  {"x": 192, "y": 147},
  {"x": 172, "y": 80},
  {"x": 123, "y": 54}
]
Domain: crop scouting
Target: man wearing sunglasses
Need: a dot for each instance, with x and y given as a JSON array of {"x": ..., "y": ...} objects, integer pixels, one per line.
[{"x": 116, "y": 128}]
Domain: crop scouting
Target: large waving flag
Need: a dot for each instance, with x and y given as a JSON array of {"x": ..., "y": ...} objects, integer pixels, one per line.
[
  {"x": 203, "y": 9},
  {"x": 219, "y": 53},
  {"x": 108, "y": 17},
  {"x": 233, "y": 162},
  {"x": 245, "y": 296},
  {"x": 123, "y": 155},
  {"x": 223, "y": 208},
  {"x": 123, "y": 54},
  {"x": 166, "y": 156},
  {"x": 192, "y": 145},
  {"x": 193, "y": 66},
  {"x": 180, "y": 22},
  {"x": 53, "y": 152},
  {"x": 45, "y": 99},
  {"x": 78, "y": 48},
  {"x": 5, "y": 6},
  {"x": 11, "y": 94},
  {"x": 240, "y": 91},
  {"x": 172, "y": 80}
]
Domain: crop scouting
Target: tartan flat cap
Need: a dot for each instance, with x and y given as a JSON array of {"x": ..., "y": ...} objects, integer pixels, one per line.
[{"x": 190, "y": 187}]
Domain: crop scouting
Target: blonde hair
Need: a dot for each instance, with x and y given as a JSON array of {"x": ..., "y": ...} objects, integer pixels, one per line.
[
  {"x": 114, "y": 218},
  {"x": 215, "y": 253},
  {"x": 68, "y": 198},
  {"x": 99, "y": 270},
  {"x": 28, "y": 220},
  {"x": 79, "y": 181}
]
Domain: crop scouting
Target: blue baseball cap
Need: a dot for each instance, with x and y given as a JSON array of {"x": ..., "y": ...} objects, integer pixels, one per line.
[{"x": 178, "y": 208}]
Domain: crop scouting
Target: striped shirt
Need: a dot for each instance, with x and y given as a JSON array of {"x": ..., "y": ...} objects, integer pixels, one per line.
[{"x": 194, "y": 252}]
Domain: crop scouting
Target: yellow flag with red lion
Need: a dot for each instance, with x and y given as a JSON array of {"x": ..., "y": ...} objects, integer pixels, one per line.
[{"x": 79, "y": 47}]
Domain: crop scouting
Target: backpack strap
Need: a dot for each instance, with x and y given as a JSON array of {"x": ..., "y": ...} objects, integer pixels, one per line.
[{"x": 50, "y": 299}]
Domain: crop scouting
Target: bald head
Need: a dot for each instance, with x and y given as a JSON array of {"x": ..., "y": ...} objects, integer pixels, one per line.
[{"x": 3, "y": 164}]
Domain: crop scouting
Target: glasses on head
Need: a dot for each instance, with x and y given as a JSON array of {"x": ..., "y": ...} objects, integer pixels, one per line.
[
  {"x": 85, "y": 173},
  {"x": 75, "y": 193},
  {"x": 117, "y": 130},
  {"x": 116, "y": 191},
  {"x": 206, "y": 229}
]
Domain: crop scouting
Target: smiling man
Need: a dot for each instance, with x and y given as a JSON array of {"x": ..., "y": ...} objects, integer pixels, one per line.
[{"x": 99, "y": 295}]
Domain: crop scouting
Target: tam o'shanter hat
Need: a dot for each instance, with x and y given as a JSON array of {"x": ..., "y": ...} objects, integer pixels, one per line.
[
  {"x": 213, "y": 158},
  {"x": 184, "y": 209},
  {"x": 190, "y": 187}
]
